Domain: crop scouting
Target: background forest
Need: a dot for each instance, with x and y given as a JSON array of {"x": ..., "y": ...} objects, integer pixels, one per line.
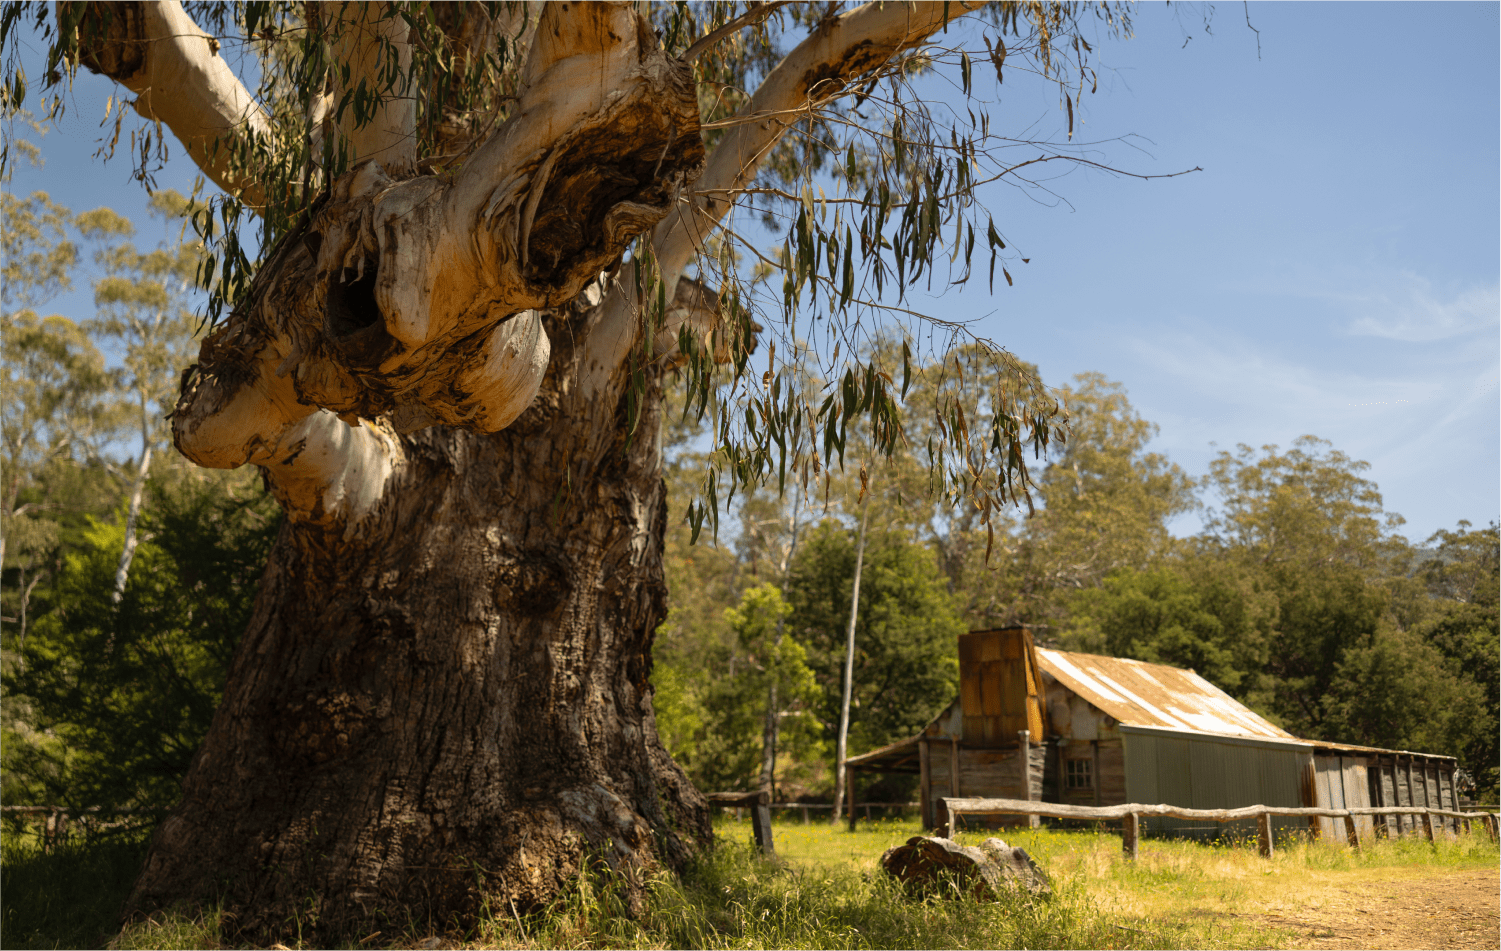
[{"x": 128, "y": 575}]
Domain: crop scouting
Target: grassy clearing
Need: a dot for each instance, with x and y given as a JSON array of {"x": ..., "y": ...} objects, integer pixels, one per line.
[{"x": 824, "y": 890}]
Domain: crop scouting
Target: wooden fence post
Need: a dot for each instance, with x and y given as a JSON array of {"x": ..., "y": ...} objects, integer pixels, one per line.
[
  {"x": 1024, "y": 751},
  {"x": 1264, "y": 834},
  {"x": 1351, "y": 835},
  {"x": 1428, "y": 824},
  {"x": 849, "y": 790},
  {"x": 1130, "y": 829},
  {"x": 761, "y": 823},
  {"x": 1491, "y": 824}
]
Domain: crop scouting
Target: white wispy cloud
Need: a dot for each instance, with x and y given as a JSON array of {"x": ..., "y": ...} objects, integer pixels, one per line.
[
  {"x": 1424, "y": 413},
  {"x": 1409, "y": 310}
]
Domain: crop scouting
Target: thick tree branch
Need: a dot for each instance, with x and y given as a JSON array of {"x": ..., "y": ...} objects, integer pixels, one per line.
[
  {"x": 417, "y": 299},
  {"x": 366, "y": 36},
  {"x": 155, "y": 50},
  {"x": 328, "y": 472},
  {"x": 841, "y": 51},
  {"x": 473, "y": 31}
]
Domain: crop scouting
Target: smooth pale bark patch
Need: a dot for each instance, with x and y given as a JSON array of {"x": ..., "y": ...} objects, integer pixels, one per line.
[{"x": 156, "y": 51}]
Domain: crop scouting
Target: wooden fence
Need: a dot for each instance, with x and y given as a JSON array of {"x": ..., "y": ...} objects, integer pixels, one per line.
[
  {"x": 1129, "y": 815},
  {"x": 760, "y": 806},
  {"x": 56, "y": 819},
  {"x": 805, "y": 807}
]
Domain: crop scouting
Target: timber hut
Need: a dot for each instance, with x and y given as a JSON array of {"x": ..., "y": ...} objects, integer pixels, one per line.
[{"x": 1056, "y": 726}]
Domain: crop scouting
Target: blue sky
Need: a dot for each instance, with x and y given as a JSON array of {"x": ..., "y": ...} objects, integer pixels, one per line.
[{"x": 1333, "y": 270}]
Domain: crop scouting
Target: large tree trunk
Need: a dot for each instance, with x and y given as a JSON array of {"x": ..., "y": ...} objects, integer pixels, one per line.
[
  {"x": 451, "y": 704},
  {"x": 443, "y": 701}
]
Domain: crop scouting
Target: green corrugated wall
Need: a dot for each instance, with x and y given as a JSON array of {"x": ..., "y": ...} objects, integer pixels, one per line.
[{"x": 1203, "y": 771}]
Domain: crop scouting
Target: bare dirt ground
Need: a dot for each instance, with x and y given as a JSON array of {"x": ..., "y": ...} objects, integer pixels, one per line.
[{"x": 1431, "y": 909}]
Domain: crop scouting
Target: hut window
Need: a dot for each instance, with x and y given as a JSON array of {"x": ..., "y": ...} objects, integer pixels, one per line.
[{"x": 1080, "y": 774}]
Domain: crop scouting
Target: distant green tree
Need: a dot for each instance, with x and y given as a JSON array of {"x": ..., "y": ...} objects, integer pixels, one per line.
[
  {"x": 715, "y": 722},
  {"x": 53, "y": 380},
  {"x": 1312, "y": 527},
  {"x": 906, "y": 635},
  {"x": 1167, "y": 615},
  {"x": 54, "y": 384},
  {"x": 36, "y": 256},
  {"x": 1397, "y": 691},
  {"x": 1300, "y": 509},
  {"x": 143, "y": 308},
  {"x": 1373, "y": 642},
  {"x": 1103, "y": 503},
  {"x": 1463, "y": 583},
  {"x": 121, "y": 694}
]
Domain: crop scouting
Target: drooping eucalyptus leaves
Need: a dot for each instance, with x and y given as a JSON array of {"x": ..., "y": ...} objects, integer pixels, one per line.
[{"x": 831, "y": 182}]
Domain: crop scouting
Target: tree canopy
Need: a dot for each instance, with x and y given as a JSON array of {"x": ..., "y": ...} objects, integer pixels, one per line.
[
  {"x": 485, "y": 283},
  {"x": 807, "y": 226}
]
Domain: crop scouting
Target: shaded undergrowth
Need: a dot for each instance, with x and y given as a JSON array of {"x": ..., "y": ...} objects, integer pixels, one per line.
[{"x": 70, "y": 896}]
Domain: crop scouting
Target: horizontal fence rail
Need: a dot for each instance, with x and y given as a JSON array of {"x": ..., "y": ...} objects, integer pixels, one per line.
[
  {"x": 760, "y": 806},
  {"x": 55, "y": 826},
  {"x": 867, "y": 806},
  {"x": 1130, "y": 816}
]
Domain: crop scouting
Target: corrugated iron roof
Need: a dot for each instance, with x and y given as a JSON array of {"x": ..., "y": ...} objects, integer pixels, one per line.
[
  {"x": 1145, "y": 694},
  {"x": 1328, "y": 746}
]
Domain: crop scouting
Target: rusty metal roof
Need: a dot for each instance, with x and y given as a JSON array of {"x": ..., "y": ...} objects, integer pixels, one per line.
[{"x": 1145, "y": 694}]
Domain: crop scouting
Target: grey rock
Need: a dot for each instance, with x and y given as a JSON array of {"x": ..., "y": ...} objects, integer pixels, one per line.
[{"x": 1017, "y": 867}]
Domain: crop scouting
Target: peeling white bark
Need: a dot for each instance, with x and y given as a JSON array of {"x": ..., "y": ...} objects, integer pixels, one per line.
[
  {"x": 366, "y": 33},
  {"x": 327, "y": 472},
  {"x": 414, "y": 298},
  {"x": 241, "y": 417}
]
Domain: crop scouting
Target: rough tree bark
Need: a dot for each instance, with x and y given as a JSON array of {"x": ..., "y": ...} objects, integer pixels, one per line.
[{"x": 444, "y": 698}]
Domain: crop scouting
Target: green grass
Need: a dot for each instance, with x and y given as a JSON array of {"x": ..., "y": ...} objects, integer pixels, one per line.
[
  {"x": 824, "y": 888},
  {"x": 69, "y": 897},
  {"x": 734, "y": 898}
]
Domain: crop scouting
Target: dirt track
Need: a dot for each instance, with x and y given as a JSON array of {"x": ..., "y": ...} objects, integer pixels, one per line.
[{"x": 1445, "y": 910}]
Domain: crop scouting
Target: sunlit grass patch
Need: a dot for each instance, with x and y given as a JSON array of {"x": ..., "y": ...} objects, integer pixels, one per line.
[{"x": 736, "y": 898}]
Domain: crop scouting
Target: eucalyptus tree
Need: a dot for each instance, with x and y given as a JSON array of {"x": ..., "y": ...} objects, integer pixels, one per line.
[
  {"x": 54, "y": 380},
  {"x": 486, "y": 233},
  {"x": 143, "y": 306},
  {"x": 55, "y": 383}
]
